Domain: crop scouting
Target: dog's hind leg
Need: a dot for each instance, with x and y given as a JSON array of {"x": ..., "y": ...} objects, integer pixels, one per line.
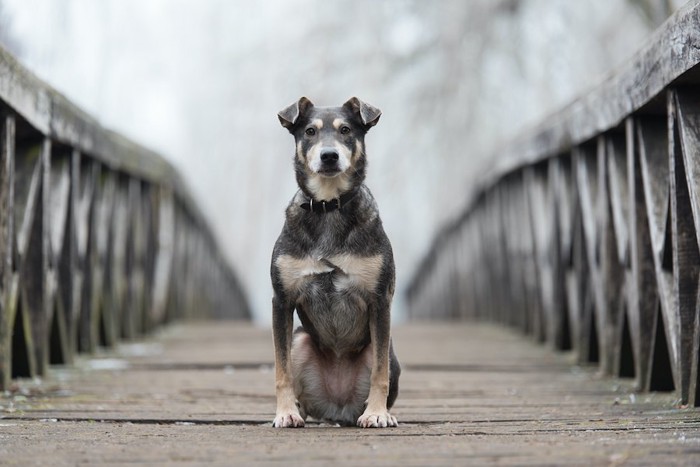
[
  {"x": 329, "y": 387},
  {"x": 394, "y": 373}
]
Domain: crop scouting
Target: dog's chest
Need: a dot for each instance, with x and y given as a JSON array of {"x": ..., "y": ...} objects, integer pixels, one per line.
[
  {"x": 345, "y": 272},
  {"x": 332, "y": 295}
]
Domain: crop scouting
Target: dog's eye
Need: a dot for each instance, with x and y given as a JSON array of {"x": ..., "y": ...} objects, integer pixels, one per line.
[
  {"x": 311, "y": 131},
  {"x": 344, "y": 130}
]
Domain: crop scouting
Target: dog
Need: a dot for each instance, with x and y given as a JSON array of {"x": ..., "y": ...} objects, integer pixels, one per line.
[{"x": 334, "y": 265}]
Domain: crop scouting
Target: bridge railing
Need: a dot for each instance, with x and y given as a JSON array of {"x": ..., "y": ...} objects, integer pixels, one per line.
[
  {"x": 99, "y": 237},
  {"x": 585, "y": 231}
]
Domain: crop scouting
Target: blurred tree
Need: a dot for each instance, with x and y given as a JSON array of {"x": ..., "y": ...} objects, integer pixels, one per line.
[{"x": 6, "y": 38}]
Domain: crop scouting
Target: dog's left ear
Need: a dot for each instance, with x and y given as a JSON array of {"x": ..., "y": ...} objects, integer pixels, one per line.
[{"x": 369, "y": 115}]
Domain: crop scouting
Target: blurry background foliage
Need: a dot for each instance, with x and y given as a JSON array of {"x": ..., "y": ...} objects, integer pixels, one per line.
[{"x": 201, "y": 81}]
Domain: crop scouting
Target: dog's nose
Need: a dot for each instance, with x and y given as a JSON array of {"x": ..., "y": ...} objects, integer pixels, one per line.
[{"x": 329, "y": 156}]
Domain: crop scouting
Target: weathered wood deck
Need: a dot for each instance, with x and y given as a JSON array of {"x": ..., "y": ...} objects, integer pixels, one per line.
[{"x": 203, "y": 394}]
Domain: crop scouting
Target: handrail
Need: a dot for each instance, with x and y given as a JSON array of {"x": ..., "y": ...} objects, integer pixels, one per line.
[
  {"x": 100, "y": 239},
  {"x": 584, "y": 231}
]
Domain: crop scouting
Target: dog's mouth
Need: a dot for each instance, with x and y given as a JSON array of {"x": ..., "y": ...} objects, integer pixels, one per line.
[{"x": 329, "y": 171}]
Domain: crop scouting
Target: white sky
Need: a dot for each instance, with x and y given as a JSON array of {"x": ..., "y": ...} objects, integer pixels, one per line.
[{"x": 201, "y": 81}]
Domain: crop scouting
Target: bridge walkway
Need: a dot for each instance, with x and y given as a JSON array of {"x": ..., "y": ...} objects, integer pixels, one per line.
[{"x": 203, "y": 393}]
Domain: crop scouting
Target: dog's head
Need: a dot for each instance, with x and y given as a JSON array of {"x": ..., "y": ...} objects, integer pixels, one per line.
[{"x": 330, "y": 156}]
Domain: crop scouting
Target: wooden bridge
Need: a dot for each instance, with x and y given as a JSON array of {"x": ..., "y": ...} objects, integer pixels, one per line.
[
  {"x": 584, "y": 234},
  {"x": 99, "y": 238},
  {"x": 203, "y": 394}
]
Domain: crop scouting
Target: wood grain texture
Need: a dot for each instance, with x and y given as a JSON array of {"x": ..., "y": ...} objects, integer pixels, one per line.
[
  {"x": 471, "y": 394},
  {"x": 99, "y": 238},
  {"x": 585, "y": 231}
]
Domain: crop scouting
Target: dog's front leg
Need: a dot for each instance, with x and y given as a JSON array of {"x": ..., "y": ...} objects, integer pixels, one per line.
[
  {"x": 376, "y": 414},
  {"x": 282, "y": 322}
]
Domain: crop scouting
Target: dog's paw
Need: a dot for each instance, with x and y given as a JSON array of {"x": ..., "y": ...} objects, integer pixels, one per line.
[
  {"x": 377, "y": 420},
  {"x": 288, "y": 420}
]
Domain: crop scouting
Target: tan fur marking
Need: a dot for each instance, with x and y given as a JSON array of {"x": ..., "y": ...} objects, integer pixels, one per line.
[
  {"x": 338, "y": 122},
  {"x": 300, "y": 154},
  {"x": 294, "y": 271},
  {"x": 376, "y": 413},
  {"x": 358, "y": 152},
  {"x": 287, "y": 414},
  {"x": 325, "y": 188},
  {"x": 318, "y": 123},
  {"x": 361, "y": 272},
  {"x": 285, "y": 392}
]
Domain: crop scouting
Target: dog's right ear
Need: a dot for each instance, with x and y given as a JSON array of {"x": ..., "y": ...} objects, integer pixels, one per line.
[{"x": 290, "y": 115}]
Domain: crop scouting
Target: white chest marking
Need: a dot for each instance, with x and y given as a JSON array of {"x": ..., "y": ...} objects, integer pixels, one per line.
[{"x": 355, "y": 271}]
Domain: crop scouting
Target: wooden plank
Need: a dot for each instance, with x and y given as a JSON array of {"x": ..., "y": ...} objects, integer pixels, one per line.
[
  {"x": 684, "y": 117},
  {"x": 614, "y": 247},
  {"x": 514, "y": 237},
  {"x": 470, "y": 394},
  {"x": 655, "y": 170},
  {"x": 74, "y": 264},
  {"x": 643, "y": 294},
  {"x": 99, "y": 257},
  {"x": 56, "y": 206},
  {"x": 618, "y": 190},
  {"x": 568, "y": 215},
  {"x": 560, "y": 249},
  {"x": 589, "y": 181},
  {"x": 119, "y": 222},
  {"x": 28, "y": 320},
  {"x": 163, "y": 255},
  {"x": 617, "y": 261},
  {"x": 7, "y": 158},
  {"x": 533, "y": 298},
  {"x": 688, "y": 121},
  {"x": 150, "y": 216},
  {"x": 543, "y": 228},
  {"x": 132, "y": 312}
]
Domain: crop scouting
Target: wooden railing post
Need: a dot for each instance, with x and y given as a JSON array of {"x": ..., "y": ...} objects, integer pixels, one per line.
[{"x": 8, "y": 311}]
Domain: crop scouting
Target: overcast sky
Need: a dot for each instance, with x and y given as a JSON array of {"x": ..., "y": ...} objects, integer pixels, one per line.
[{"x": 201, "y": 82}]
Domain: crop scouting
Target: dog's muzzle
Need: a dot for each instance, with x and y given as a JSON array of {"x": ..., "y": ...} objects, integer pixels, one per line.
[{"x": 329, "y": 161}]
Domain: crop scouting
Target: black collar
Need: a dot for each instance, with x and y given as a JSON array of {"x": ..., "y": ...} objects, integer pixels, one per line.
[{"x": 328, "y": 206}]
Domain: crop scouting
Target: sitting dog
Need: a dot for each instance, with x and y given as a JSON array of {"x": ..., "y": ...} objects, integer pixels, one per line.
[{"x": 334, "y": 265}]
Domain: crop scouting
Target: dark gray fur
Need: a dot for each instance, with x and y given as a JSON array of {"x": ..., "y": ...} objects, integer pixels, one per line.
[{"x": 338, "y": 322}]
